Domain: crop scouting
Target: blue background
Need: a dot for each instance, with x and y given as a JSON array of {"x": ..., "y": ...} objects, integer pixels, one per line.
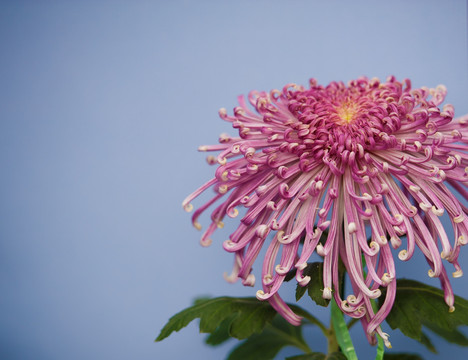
[{"x": 102, "y": 107}]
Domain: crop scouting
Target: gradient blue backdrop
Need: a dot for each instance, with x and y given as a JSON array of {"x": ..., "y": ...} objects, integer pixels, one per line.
[{"x": 102, "y": 107}]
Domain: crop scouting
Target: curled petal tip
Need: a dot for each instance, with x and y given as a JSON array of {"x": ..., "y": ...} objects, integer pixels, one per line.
[
  {"x": 249, "y": 281},
  {"x": 187, "y": 207},
  {"x": 383, "y": 240},
  {"x": 320, "y": 250},
  {"x": 283, "y": 239},
  {"x": 221, "y": 161},
  {"x": 403, "y": 255},
  {"x": 222, "y": 112},
  {"x": 323, "y": 226},
  {"x": 327, "y": 293},
  {"x": 272, "y": 206},
  {"x": 211, "y": 160},
  {"x": 301, "y": 266},
  {"x": 374, "y": 246},
  {"x": 280, "y": 270},
  {"x": 267, "y": 280},
  {"x": 458, "y": 219},
  {"x": 352, "y": 228},
  {"x": 451, "y": 309},
  {"x": 262, "y": 296},
  {"x": 274, "y": 225},
  {"x": 368, "y": 213},
  {"x": 413, "y": 210},
  {"x": 222, "y": 189},
  {"x": 233, "y": 213},
  {"x": 387, "y": 279},
  {"x": 461, "y": 240},
  {"x": 438, "y": 212},
  {"x": 395, "y": 241},
  {"x": 262, "y": 231},
  {"x": 424, "y": 207},
  {"x": 304, "y": 281},
  {"x": 458, "y": 273},
  {"x": 230, "y": 278},
  {"x": 205, "y": 242},
  {"x": 229, "y": 245}
]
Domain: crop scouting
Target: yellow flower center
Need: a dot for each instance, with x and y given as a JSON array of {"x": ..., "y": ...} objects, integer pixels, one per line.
[{"x": 346, "y": 112}]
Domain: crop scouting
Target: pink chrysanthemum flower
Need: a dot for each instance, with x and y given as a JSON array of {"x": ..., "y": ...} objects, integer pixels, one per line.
[{"x": 369, "y": 160}]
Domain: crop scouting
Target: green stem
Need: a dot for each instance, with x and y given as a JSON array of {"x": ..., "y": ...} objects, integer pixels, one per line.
[
  {"x": 341, "y": 332},
  {"x": 380, "y": 346},
  {"x": 332, "y": 341}
]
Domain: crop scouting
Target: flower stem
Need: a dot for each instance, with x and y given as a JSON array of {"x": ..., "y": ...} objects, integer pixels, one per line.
[
  {"x": 332, "y": 341},
  {"x": 341, "y": 332}
]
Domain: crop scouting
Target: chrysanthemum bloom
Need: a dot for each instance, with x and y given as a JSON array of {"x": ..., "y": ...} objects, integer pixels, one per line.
[{"x": 369, "y": 160}]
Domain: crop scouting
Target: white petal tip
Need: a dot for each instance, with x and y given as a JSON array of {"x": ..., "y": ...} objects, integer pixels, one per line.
[
  {"x": 206, "y": 242},
  {"x": 352, "y": 228},
  {"x": 327, "y": 293},
  {"x": 403, "y": 255},
  {"x": 261, "y": 295},
  {"x": 438, "y": 212},
  {"x": 304, "y": 281},
  {"x": 232, "y": 278},
  {"x": 187, "y": 207},
  {"x": 249, "y": 281},
  {"x": 280, "y": 270}
]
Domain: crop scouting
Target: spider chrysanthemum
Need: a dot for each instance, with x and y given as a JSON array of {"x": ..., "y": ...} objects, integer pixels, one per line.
[{"x": 371, "y": 165}]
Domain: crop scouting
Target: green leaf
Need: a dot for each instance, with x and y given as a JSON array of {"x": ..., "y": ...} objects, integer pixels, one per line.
[
  {"x": 315, "y": 286},
  {"x": 300, "y": 291},
  {"x": 417, "y": 305},
  {"x": 290, "y": 275},
  {"x": 311, "y": 356},
  {"x": 221, "y": 334},
  {"x": 454, "y": 336},
  {"x": 318, "y": 356},
  {"x": 265, "y": 346},
  {"x": 427, "y": 342},
  {"x": 261, "y": 347},
  {"x": 336, "y": 356},
  {"x": 342, "y": 333},
  {"x": 249, "y": 316},
  {"x": 402, "y": 356}
]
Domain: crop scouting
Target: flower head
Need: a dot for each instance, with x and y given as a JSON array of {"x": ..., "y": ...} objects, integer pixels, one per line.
[{"x": 370, "y": 166}]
